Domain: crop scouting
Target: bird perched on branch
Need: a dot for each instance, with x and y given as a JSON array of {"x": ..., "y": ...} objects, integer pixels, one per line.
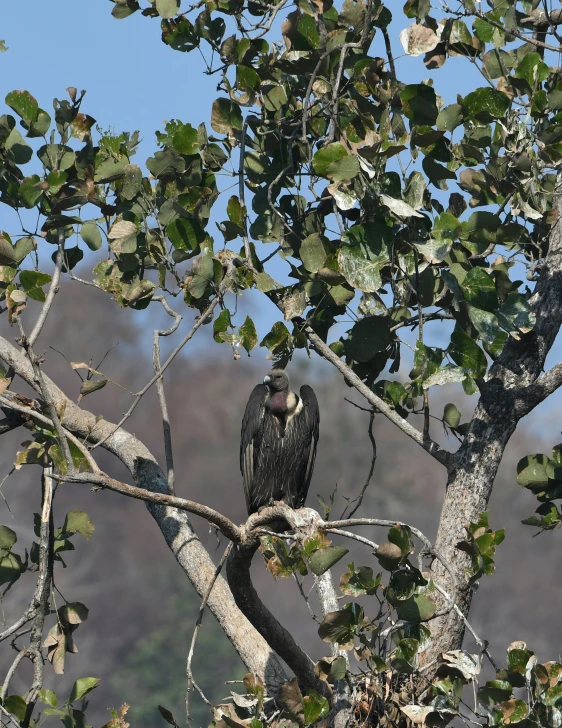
[{"x": 278, "y": 442}]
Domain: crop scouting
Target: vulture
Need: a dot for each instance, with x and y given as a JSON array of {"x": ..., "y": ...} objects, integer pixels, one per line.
[{"x": 278, "y": 442}]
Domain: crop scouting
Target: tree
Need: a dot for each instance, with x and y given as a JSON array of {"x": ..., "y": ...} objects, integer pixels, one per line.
[{"x": 346, "y": 170}]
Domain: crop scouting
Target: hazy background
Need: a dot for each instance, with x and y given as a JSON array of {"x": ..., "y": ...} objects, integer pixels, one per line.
[{"x": 142, "y": 610}]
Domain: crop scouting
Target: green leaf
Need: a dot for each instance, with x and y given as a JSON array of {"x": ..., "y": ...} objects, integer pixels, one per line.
[
  {"x": 167, "y": 8},
  {"x": 369, "y": 336},
  {"x": 202, "y": 273},
  {"x": 479, "y": 290},
  {"x": 419, "y": 103},
  {"x": 167, "y": 715},
  {"x": 533, "y": 69},
  {"x": 345, "y": 168},
  {"x": 79, "y": 522},
  {"x": 30, "y": 190},
  {"x": 313, "y": 252},
  {"x": 328, "y": 155},
  {"x": 32, "y": 282},
  {"x": 91, "y": 385},
  {"x": 7, "y": 538},
  {"x": 451, "y": 416},
  {"x": 123, "y": 237},
  {"x": 90, "y": 234},
  {"x": 323, "y": 559},
  {"x": 226, "y": 117},
  {"x": 360, "y": 268},
  {"x": 356, "y": 582},
  {"x": 337, "y": 627},
  {"x": 81, "y": 687},
  {"x": 185, "y": 234},
  {"x": 221, "y": 325},
  {"x": 467, "y": 354},
  {"x": 450, "y": 117},
  {"x": 186, "y": 140},
  {"x": 315, "y": 707},
  {"x": 249, "y": 336},
  {"x": 24, "y": 104},
  {"x": 399, "y": 207},
  {"x": 16, "y": 705},
  {"x": 401, "y": 536},
  {"x": 485, "y": 104},
  {"x": 532, "y": 472},
  {"x": 20, "y": 151},
  {"x": 48, "y": 697},
  {"x": 418, "y": 608}
]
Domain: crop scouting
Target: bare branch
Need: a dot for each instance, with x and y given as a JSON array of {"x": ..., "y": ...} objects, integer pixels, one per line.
[
  {"x": 529, "y": 397},
  {"x": 248, "y": 601},
  {"x": 359, "y": 500},
  {"x": 224, "y": 524},
  {"x": 10, "y": 674},
  {"x": 53, "y": 290},
  {"x": 139, "y": 395},
  {"x": 188, "y": 671},
  {"x": 173, "y": 523},
  {"x": 160, "y": 389},
  {"x": 443, "y": 456}
]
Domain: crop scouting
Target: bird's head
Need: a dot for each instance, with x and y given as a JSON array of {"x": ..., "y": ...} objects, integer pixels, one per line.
[{"x": 277, "y": 380}]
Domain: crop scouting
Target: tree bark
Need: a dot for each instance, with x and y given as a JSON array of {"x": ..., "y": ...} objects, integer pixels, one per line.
[{"x": 505, "y": 399}]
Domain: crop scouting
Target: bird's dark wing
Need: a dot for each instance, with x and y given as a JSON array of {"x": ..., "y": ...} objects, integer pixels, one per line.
[
  {"x": 310, "y": 419},
  {"x": 250, "y": 439}
]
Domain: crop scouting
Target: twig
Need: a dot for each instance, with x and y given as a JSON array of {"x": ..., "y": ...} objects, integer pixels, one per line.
[
  {"x": 354, "y": 536},
  {"x": 10, "y": 674},
  {"x": 305, "y": 597},
  {"x": 443, "y": 456},
  {"x": 188, "y": 671},
  {"x": 160, "y": 389},
  {"x": 359, "y": 498},
  {"x": 53, "y": 290},
  {"x": 241, "y": 195},
  {"x": 41, "y": 418},
  {"x": 224, "y": 524},
  {"x": 139, "y": 395},
  {"x": 388, "y": 47}
]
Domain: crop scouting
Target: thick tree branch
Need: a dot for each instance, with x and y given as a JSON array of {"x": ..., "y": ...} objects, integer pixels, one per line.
[
  {"x": 514, "y": 387},
  {"x": 443, "y": 456},
  {"x": 247, "y": 599},
  {"x": 529, "y": 397},
  {"x": 174, "y": 524}
]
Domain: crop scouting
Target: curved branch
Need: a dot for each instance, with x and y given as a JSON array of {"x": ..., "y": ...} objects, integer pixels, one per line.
[
  {"x": 174, "y": 524},
  {"x": 248, "y": 601},
  {"x": 443, "y": 456},
  {"x": 224, "y": 524}
]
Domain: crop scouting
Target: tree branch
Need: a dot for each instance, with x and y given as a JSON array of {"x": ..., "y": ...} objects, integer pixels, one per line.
[
  {"x": 160, "y": 389},
  {"x": 224, "y": 524},
  {"x": 188, "y": 671},
  {"x": 174, "y": 524},
  {"x": 53, "y": 290},
  {"x": 443, "y": 456},
  {"x": 248, "y": 601}
]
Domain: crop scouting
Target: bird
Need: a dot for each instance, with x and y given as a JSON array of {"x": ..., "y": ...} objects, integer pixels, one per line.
[{"x": 278, "y": 442}]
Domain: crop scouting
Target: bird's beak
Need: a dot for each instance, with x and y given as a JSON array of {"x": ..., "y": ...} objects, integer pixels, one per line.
[{"x": 267, "y": 379}]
